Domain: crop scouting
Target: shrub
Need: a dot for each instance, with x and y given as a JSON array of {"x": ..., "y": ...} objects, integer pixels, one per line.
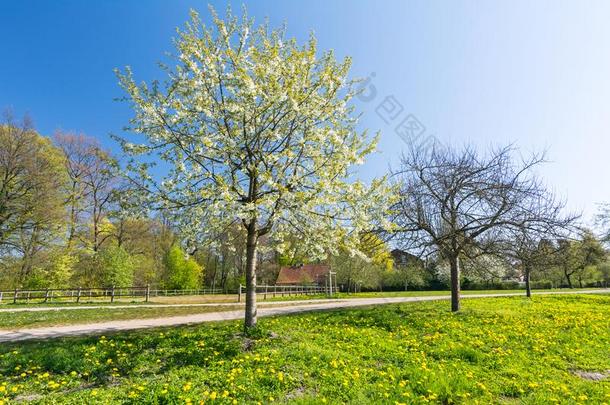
[{"x": 541, "y": 284}]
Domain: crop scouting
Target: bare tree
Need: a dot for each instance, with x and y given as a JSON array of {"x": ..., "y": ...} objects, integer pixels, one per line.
[
  {"x": 79, "y": 151},
  {"x": 93, "y": 180},
  {"x": 100, "y": 182},
  {"x": 459, "y": 203},
  {"x": 533, "y": 251}
]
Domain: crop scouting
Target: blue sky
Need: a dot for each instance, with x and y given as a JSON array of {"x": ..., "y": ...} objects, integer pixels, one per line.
[{"x": 533, "y": 73}]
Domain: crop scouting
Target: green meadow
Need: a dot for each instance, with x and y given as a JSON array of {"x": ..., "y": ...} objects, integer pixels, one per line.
[{"x": 553, "y": 349}]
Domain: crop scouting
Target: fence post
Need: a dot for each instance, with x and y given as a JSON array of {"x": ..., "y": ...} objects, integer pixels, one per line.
[
  {"x": 46, "y": 295},
  {"x": 78, "y": 295},
  {"x": 147, "y": 292},
  {"x": 266, "y": 286},
  {"x": 15, "y": 296},
  {"x": 239, "y": 294},
  {"x": 112, "y": 294}
]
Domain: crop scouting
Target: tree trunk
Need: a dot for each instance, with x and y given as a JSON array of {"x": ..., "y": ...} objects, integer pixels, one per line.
[
  {"x": 528, "y": 288},
  {"x": 250, "y": 318},
  {"x": 454, "y": 261},
  {"x": 568, "y": 279}
]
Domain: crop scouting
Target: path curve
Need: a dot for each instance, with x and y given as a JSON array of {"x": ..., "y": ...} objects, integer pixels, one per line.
[{"x": 116, "y": 326}]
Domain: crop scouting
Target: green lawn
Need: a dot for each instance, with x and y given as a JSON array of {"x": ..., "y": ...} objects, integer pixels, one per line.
[
  {"x": 497, "y": 350},
  {"x": 30, "y": 319},
  {"x": 374, "y": 294},
  {"x": 53, "y": 317},
  {"x": 227, "y": 298}
]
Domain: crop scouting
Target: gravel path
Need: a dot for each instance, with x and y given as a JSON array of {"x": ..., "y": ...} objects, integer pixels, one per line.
[{"x": 289, "y": 307}]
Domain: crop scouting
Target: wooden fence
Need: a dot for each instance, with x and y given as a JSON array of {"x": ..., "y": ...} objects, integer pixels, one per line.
[
  {"x": 272, "y": 291},
  {"x": 79, "y": 294},
  {"x": 171, "y": 293}
]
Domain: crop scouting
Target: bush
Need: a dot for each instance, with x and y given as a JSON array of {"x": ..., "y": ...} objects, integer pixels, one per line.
[
  {"x": 499, "y": 285},
  {"x": 540, "y": 285}
]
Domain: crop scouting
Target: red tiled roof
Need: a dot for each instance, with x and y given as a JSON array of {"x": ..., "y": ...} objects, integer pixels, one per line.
[{"x": 305, "y": 274}]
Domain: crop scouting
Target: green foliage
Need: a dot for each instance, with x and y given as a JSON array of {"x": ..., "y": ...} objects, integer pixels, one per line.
[
  {"x": 31, "y": 203},
  {"x": 499, "y": 350},
  {"x": 117, "y": 267},
  {"x": 181, "y": 272},
  {"x": 33, "y": 319},
  {"x": 368, "y": 269},
  {"x": 276, "y": 172},
  {"x": 411, "y": 275},
  {"x": 578, "y": 259}
]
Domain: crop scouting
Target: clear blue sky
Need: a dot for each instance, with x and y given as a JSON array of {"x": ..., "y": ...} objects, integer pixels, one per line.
[{"x": 534, "y": 73}]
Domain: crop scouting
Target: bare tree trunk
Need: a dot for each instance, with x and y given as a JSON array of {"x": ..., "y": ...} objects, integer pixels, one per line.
[
  {"x": 528, "y": 288},
  {"x": 568, "y": 279},
  {"x": 250, "y": 319},
  {"x": 72, "y": 224},
  {"x": 454, "y": 261}
]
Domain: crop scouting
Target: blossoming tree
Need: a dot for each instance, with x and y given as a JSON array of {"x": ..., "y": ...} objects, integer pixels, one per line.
[{"x": 255, "y": 129}]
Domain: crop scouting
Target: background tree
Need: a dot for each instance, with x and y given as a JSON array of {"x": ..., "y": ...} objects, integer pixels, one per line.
[
  {"x": 366, "y": 269},
  {"x": 577, "y": 257},
  {"x": 530, "y": 247},
  {"x": 485, "y": 270},
  {"x": 256, "y": 130},
  {"x": 100, "y": 182},
  {"x": 531, "y": 253},
  {"x": 31, "y": 205},
  {"x": 458, "y": 203},
  {"x": 183, "y": 272},
  {"x": 80, "y": 155},
  {"x": 117, "y": 266},
  {"x": 225, "y": 259},
  {"x": 412, "y": 275}
]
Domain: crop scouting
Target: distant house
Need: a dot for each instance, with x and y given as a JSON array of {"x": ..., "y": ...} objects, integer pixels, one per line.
[
  {"x": 306, "y": 274},
  {"x": 402, "y": 258}
]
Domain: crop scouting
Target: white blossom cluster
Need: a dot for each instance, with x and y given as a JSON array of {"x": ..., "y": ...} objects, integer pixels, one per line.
[{"x": 255, "y": 129}]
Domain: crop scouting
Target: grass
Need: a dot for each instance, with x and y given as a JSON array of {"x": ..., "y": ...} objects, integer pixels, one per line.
[
  {"x": 30, "y": 319},
  {"x": 177, "y": 299},
  {"x": 497, "y": 350},
  {"x": 375, "y": 294},
  {"x": 54, "y": 316},
  {"x": 227, "y": 298}
]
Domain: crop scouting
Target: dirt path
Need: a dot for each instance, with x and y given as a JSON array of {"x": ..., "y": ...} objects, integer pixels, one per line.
[{"x": 288, "y": 307}]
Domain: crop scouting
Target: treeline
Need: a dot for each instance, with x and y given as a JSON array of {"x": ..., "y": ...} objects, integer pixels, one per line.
[
  {"x": 66, "y": 219},
  {"x": 564, "y": 263},
  {"x": 63, "y": 220}
]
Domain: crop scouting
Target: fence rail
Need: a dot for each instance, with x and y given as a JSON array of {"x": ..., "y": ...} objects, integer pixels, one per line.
[
  {"x": 79, "y": 294},
  {"x": 272, "y": 291},
  {"x": 204, "y": 291}
]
